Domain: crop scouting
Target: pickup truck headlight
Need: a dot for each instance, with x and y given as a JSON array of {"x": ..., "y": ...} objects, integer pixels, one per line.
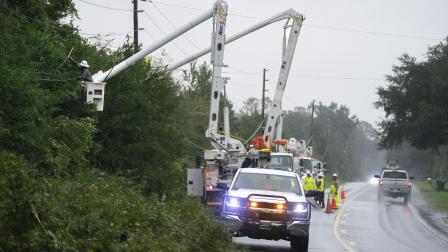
[
  {"x": 299, "y": 211},
  {"x": 300, "y": 208},
  {"x": 233, "y": 202}
]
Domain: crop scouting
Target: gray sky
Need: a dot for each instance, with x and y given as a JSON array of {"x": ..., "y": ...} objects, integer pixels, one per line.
[{"x": 344, "y": 50}]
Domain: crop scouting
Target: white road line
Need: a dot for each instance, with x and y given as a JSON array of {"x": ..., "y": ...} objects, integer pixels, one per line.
[
  {"x": 347, "y": 245},
  {"x": 428, "y": 227}
]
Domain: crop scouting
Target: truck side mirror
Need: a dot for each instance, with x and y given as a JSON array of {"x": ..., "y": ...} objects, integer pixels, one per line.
[
  {"x": 411, "y": 178},
  {"x": 377, "y": 176}
]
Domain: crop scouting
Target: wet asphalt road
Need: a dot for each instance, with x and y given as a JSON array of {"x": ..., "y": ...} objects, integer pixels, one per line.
[{"x": 364, "y": 224}]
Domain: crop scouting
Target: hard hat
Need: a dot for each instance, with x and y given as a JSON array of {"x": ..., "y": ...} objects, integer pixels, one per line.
[
  {"x": 84, "y": 64},
  {"x": 308, "y": 172},
  {"x": 335, "y": 175},
  {"x": 321, "y": 174}
]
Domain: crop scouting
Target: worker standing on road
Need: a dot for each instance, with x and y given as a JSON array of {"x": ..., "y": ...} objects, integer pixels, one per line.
[
  {"x": 320, "y": 184},
  {"x": 334, "y": 189},
  {"x": 84, "y": 67},
  {"x": 308, "y": 182}
]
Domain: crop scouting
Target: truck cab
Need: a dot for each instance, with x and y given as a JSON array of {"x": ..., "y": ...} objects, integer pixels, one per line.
[{"x": 282, "y": 161}]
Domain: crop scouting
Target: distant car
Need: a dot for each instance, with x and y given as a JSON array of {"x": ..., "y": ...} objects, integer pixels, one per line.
[
  {"x": 394, "y": 183},
  {"x": 268, "y": 204}
]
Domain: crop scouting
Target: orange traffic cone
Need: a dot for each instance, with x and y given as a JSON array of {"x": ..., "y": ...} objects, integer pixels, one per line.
[
  {"x": 328, "y": 207},
  {"x": 333, "y": 203},
  {"x": 343, "y": 194}
]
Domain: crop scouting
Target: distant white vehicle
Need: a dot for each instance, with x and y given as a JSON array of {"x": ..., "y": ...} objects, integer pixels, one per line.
[
  {"x": 394, "y": 182},
  {"x": 282, "y": 161},
  {"x": 268, "y": 204}
]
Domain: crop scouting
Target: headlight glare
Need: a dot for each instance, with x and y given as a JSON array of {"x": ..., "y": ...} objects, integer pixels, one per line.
[
  {"x": 233, "y": 202},
  {"x": 301, "y": 208}
]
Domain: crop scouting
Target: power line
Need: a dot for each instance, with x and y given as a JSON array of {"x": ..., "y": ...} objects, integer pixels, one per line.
[
  {"x": 317, "y": 26},
  {"x": 369, "y": 32},
  {"x": 150, "y": 36},
  {"x": 110, "y": 34},
  {"x": 105, "y": 7},
  {"x": 163, "y": 32},
  {"x": 179, "y": 6},
  {"x": 296, "y": 76},
  {"x": 173, "y": 25},
  {"x": 314, "y": 76}
]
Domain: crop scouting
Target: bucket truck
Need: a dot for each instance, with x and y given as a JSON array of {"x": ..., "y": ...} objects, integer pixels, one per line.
[{"x": 229, "y": 153}]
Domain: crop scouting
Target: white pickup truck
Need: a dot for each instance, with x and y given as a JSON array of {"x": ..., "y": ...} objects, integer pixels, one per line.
[
  {"x": 268, "y": 204},
  {"x": 394, "y": 183}
]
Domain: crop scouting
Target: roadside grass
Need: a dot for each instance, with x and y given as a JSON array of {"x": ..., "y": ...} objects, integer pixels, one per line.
[{"x": 437, "y": 199}]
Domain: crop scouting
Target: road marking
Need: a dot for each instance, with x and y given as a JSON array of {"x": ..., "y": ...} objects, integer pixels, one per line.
[
  {"x": 347, "y": 245},
  {"x": 423, "y": 222}
]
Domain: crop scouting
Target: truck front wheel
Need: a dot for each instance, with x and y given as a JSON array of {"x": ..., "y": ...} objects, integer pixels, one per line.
[{"x": 299, "y": 244}]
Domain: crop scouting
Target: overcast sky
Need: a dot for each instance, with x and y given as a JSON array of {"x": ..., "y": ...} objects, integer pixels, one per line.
[{"x": 345, "y": 49}]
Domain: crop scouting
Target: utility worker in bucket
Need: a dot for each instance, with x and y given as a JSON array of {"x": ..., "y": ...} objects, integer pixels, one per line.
[
  {"x": 84, "y": 67},
  {"x": 334, "y": 189},
  {"x": 308, "y": 182},
  {"x": 320, "y": 184}
]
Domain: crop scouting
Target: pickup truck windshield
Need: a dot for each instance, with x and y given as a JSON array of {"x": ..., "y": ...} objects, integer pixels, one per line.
[
  {"x": 268, "y": 182},
  {"x": 395, "y": 175},
  {"x": 284, "y": 163}
]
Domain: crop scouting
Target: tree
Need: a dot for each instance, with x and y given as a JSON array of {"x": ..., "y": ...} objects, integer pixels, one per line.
[
  {"x": 416, "y": 106},
  {"x": 53, "y": 197},
  {"x": 416, "y": 101}
]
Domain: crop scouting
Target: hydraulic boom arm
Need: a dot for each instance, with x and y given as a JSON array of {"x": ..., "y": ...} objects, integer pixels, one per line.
[
  {"x": 275, "y": 111},
  {"x": 103, "y": 76}
]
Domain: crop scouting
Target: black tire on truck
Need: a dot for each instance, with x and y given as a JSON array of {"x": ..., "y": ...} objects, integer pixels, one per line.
[{"x": 299, "y": 244}]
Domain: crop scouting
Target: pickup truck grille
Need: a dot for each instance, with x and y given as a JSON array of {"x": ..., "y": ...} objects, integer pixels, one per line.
[
  {"x": 266, "y": 208},
  {"x": 266, "y": 214}
]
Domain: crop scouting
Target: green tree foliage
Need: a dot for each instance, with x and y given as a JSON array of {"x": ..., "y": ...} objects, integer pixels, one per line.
[
  {"x": 416, "y": 101},
  {"x": 136, "y": 130},
  {"x": 416, "y": 106},
  {"x": 193, "y": 106},
  {"x": 346, "y": 144},
  {"x": 248, "y": 119},
  {"x": 72, "y": 178}
]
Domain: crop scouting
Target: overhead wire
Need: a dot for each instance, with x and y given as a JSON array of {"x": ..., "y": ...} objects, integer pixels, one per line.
[
  {"x": 174, "y": 26},
  {"x": 298, "y": 76},
  {"x": 110, "y": 34},
  {"x": 105, "y": 7},
  {"x": 150, "y": 36},
  {"x": 346, "y": 29},
  {"x": 194, "y": 144},
  {"x": 312, "y": 76},
  {"x": 164, "y": 33}
]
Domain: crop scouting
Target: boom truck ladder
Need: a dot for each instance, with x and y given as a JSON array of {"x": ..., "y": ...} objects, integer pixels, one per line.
[
  {"x": 274, "y": 120},
  {"x": 94, "y": 91},
  {"x": 229, "y": 153}
]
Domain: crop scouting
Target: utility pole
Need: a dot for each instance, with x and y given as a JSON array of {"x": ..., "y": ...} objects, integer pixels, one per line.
[
  {"x": 263, "y": 93},
  {"x": 136, "y": 28},
  {"x": 311, "y": 130}
]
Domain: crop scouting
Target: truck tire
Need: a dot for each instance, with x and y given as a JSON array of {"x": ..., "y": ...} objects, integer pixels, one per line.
[{"x": 299, "y": 244}]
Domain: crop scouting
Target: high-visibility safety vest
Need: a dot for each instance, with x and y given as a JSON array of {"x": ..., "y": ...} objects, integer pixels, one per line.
[
  {"x": 334, "y": 193},
  {"x": 308, "y": 184},
  {"x": 333, "y": 189},
  {"x": 321, "y": 186}
]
